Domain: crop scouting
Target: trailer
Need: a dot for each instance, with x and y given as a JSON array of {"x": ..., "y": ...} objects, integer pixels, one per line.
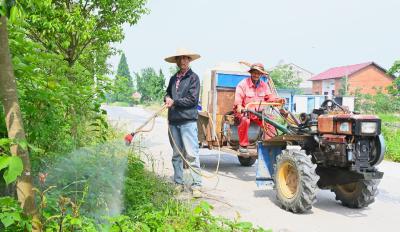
[{"x": 216, "y": 123}]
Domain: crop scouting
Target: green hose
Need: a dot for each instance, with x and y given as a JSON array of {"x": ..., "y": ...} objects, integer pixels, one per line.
[{"x": 278, "y": 126}]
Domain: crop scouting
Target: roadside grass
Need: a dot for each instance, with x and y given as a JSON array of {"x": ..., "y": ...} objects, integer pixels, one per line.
[
  {"x": 124, "y": 104},
  {"x": 151, "y": 205},
  {"x": 108, "y": 188},
  {"x": 391, "y": 133}
]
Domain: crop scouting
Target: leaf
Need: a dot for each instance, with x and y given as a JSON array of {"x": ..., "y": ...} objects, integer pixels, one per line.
[
  {"x": 9, "y": 218},
  {"x": 14, "y": 170},
  {"x": 6, "y": 201},
  {"x": 76, "y": 221},
  {"x": 4, "y": 141},
  {"x": 13, "y": 14},
  {"x": 4, "y": 162}
]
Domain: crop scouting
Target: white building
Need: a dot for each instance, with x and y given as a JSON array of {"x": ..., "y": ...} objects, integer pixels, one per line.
[{"x": 302, "y": 73}]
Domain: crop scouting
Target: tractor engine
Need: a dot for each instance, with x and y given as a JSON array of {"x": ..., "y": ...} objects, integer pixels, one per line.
[{"x": 349, "y": 140}]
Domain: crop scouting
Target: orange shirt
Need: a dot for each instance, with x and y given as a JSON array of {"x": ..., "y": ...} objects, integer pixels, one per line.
[{"x": 246, "y": 92}]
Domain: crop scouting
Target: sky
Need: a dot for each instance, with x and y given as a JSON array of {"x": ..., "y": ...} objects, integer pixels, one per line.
[{"x": 313, "y": 34}]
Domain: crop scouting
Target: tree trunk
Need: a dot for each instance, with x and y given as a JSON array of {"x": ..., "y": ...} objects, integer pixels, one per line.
[{"x": 9, "y": 98}]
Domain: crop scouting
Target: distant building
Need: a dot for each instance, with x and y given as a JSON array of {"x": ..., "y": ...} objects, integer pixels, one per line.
[
  {"x": 302, "y": 73},
  {"x": 367, "y": 78},
  {"x": 305, "y": 75}
]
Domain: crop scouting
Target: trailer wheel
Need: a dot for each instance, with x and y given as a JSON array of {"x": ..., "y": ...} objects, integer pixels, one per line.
[
  {"x": 247, "y": 161},
  {"x": 358, "y": 194},
  {"x": 295, "y": 181}
]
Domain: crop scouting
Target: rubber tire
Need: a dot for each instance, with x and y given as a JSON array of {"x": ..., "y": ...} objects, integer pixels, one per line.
[
  {"x": 363, "y": 195},
  {"x": 305, "y": 195},
  {"x": 247, "y": 161}
]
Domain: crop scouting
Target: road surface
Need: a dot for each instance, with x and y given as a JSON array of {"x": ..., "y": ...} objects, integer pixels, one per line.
[{"x": 235, "y": 192}]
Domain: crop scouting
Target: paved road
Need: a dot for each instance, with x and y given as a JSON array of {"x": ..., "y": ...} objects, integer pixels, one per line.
[{"x": 237, "y": 194}]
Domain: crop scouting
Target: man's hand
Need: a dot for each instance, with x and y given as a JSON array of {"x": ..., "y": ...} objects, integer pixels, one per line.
[
  {"x": 169, "y": 102},
  {"x": 239, "y": 109},
  {"x": 267, "y": 98}
]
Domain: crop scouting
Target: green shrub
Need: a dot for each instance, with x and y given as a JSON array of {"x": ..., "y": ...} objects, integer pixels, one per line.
[
  {"x": 379, "y": 103},
  {"x": 11, "y": 217},
  {"x": 151, "y": 206},
  {"x": 391, "y": 133}
]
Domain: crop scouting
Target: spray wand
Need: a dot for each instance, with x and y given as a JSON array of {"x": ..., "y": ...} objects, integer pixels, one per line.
[{"x": 129, "y": 137}]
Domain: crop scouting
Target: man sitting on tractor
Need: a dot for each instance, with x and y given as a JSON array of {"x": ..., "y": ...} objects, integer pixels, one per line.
[{"x": 253, "y": 90}]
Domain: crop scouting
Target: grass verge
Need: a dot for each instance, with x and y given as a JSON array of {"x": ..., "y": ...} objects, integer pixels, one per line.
[
  {"x": 391, "y": 133},
  {"x": 151, "y": 205},
  {"x": 125, "y": 104}
]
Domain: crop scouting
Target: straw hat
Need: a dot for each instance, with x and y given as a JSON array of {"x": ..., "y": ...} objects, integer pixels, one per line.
[
  {"x": 259, "y": 67},
  {"x": 182, "y": 52}
]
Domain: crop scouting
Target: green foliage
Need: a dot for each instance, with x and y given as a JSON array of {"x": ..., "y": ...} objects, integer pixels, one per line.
[
  {"x": 379, "y": 103},
  {"x": 387, "y": 106},
  {"x": 51, "y": 103},
  {"x": 84, "y": 185},
  {"x": 11, "y": 216},
  {"x": 151, "y": 206},
  {"x": 10, "y": 166},
  {"x": 13, "y": 166},
  {"x": 391, "y": 133},
  {"x": 395, "y": 71},
  {"x": 150, "y": 85},
  {"x": 70, "y": 28},
  {"x": 60, "y": 53},
  {"x": 123, "y": 84},
  {"x": 284, "y": 77}
]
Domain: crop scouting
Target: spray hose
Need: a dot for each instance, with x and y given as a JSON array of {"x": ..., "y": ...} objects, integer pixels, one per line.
[{"x": 129, "y": 138}]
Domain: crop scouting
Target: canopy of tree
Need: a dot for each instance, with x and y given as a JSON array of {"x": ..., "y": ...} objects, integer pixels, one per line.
[
  {"x": 150, "y": 85},
  {"x": 284, "y": 78},
  {"x": 123, "y": 84},
  {"x": 58, "y": 75}
]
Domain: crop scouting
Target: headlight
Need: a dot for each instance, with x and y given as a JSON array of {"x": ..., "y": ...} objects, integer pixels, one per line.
[
  {"x": 344, "y": 127},
  {"x": 368, "y": 127}
]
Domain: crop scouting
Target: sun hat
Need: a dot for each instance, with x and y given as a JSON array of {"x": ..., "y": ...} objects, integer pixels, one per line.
[
  {"x": 182, "y": 52},
  {"x": 259, "y": 67}
]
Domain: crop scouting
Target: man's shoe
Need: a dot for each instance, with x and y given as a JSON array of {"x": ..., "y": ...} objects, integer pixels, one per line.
[
  {"x": 196, "y": 193},
  {"x": 243, "y": 150}
]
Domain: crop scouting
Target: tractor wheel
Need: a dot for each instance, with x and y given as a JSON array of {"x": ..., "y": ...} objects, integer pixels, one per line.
[
  {"x": 358, "y": 194},
  {"x": 295, "y": 181},
  {"x": 247, "y": 161}
]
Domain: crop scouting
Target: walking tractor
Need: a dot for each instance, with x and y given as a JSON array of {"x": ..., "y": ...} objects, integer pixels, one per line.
[{"x": 330, "y": 148}]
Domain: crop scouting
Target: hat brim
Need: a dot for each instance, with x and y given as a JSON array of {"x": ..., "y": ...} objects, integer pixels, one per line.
[
  {"x": 258, "y": 69},
  {"x": 172, "y": 59}
]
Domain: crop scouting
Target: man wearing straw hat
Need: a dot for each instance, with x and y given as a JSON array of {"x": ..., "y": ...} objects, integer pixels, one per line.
[
  {"x": 182, "y": 99},
  {"x": 253, "y": 89}
]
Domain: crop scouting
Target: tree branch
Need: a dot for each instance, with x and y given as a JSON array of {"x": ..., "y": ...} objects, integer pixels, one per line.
[{"x": 35, "y": 37}]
